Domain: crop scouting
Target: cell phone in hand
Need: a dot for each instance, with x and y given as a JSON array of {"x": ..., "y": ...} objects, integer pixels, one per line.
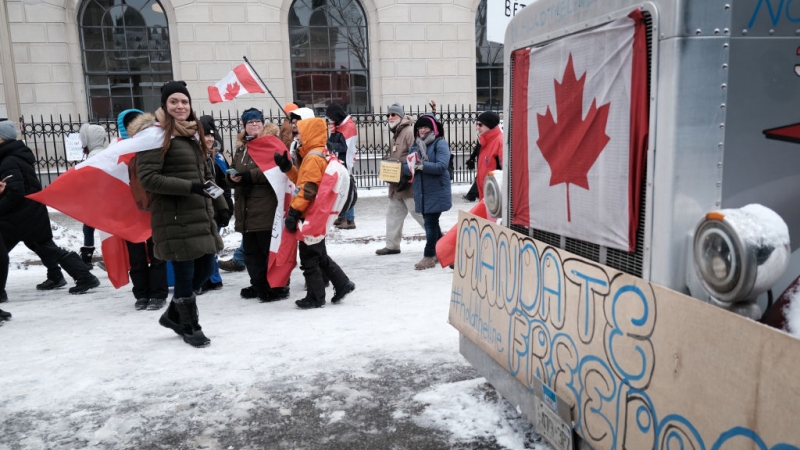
[
  {"x": 212, "y": 189},
  {"x": 232, "y": 171}
]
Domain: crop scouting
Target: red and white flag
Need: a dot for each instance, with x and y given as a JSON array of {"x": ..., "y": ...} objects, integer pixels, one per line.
[
  {"x": 326, "y": 207},
  {"x": 283, "y": 246},
  {"x": 97, "y": 191},
  {"x": 579, "y": 134},
  {"x": 241, "y": 80},
  {"x": 116, "y": 258}
]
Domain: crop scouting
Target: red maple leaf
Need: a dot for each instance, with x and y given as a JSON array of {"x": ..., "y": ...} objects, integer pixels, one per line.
[
  {"x": 572, "y": 145},
  {"x": 231, "y": 91}
]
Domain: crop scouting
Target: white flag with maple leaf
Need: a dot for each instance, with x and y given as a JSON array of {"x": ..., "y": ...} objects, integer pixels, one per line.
[
  {"x": 239, "y": 81},
  {"x": 579, "y": 134}
]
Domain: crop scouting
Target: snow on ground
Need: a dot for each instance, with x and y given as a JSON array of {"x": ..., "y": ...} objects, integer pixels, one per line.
[{"x": 380, "y": 370}]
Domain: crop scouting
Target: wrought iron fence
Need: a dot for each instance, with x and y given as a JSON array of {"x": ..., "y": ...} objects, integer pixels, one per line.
[{"x": 46, "y": 138}]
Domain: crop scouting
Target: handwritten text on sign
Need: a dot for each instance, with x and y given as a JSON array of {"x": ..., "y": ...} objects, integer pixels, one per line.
[{"x": 595, "y": 335}]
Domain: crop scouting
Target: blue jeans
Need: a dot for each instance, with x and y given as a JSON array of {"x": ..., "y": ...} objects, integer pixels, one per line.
[
  {"x": 238, "y": 255},
  {"x": 191, "y": 275},
  {"x": 215, "y": 276},
  {"x": 432, "y": 232},
  {"x": 350, "y": 214}
]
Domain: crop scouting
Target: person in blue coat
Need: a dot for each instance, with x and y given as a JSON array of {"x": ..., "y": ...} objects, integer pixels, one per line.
[{"x": 427, "y": 164}]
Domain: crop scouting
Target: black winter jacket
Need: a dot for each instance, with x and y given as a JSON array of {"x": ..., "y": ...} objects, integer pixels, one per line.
[{"x": 21, "y": 218}]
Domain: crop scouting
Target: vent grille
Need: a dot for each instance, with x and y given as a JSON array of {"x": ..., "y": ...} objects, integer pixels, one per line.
[{"x": 628, "y": 262}]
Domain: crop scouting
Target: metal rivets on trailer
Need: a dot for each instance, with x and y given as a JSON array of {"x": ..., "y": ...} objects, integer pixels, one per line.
[
  {"x": 727, "y": 6},
  {"x": 722, "y": 126},
  {"x": 724, "y": 67},
  {"x": 719, "y": 146},
  {"x": 698, "y": 31},
  {"x": 724, "y": 86},
  {"x": 725, "y": 45},
  {"x": 716, "y": 31},
  {"x": 771, "y": 31},
  {"x": 722, "y": 106},
  {"x": 725, "y": 31},
  {"x": 744, "y": 31}
]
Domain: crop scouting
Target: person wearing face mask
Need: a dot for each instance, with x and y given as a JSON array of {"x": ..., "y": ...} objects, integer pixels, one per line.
[
  {"x": 218, "y": 165},
  {"x": 255, "y": 206},
  {"x": 431, "y": 181},
  {"x": 182, "y": 212},
  {"x": 401, "y": 195}
]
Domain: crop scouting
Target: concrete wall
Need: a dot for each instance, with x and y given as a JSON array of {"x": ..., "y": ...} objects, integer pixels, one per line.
[{"x": 419, "y": 50}]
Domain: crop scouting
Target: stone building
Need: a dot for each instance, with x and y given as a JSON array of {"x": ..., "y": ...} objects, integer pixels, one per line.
[{"x": 95, "y": 58}]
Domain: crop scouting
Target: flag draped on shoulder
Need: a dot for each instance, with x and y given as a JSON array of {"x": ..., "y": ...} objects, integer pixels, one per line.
[
  {"x": 97, "y": 191},
  {"x": 579, "y": 134},
  {"x": 283, "y": 246},
  {"x": 241, "y": 80},
  {"x": 331, "y": 198}
]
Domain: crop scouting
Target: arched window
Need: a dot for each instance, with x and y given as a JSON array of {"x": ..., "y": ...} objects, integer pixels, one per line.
[
  {"x": 329, "y": 54},
  {"x": 489, "y": 66},
  {"x": 126, "y": 55}
]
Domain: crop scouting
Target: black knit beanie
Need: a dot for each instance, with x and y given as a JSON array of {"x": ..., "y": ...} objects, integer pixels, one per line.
[
  {"x": 335, "y": 113},
  {"x": 172, "y": 87},
  {"x": 489, "y": 118}
]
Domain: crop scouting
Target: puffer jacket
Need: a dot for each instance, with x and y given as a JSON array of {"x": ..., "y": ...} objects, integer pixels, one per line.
[
  {"x": 314, "y": 134},
  {"x": 490, "y": 156},
  {"x": 254, "y": 203},
  {"x": 93, "y": 137},
  {"x": 403, "y": 139},
  {"x": 21, "y": 218},
  {"x": 183, "y": 222},
  {"x": 432, "y": 185}
]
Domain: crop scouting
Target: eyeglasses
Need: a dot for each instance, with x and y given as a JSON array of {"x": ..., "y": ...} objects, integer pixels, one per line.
[{"x": 254, "y": 121}]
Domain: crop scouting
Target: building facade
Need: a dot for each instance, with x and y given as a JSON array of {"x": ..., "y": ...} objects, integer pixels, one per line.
[{"x": 95, "y": 58}]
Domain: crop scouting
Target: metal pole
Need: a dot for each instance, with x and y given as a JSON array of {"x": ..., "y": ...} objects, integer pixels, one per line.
[
  {"x": 265, "y": 86},
  {"x": 13, "y": 109}
]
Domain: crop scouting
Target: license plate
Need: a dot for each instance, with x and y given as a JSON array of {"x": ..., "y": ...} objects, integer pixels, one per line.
[{"x": 553, "y": 428}]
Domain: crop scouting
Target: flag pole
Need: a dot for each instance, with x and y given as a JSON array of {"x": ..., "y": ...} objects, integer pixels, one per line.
[{"x": 265, "y": 86}]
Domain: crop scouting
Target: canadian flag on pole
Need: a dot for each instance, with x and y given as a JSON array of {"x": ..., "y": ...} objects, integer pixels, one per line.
[
  {"x": 97, "y": 191},
  {"x": 579, "y": 134},
  {"x": 241, "y": 80},
  {"x": 283, "y": 246}
]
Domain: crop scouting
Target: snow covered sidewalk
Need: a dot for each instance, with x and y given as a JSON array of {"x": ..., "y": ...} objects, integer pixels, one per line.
[{"x": 379, "y": 370}]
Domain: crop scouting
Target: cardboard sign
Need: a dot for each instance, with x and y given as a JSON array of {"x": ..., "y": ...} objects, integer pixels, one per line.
[
  {"x": 641, "y": 366},
  {"x": 390, "y": 171},
  {"x": 73, "y": 147}
]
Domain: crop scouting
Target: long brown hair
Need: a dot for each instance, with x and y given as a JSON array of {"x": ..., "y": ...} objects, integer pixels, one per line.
[{"x": 168, "y": 124}]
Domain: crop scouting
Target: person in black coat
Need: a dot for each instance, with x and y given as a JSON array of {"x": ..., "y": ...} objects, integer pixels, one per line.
[{"x": 24, "y": 220}]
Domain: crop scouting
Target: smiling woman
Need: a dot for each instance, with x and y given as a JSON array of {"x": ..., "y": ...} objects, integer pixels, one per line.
[{"x": 181, "y": 210}]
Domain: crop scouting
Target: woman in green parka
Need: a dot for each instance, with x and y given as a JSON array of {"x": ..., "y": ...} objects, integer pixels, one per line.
[{"x": 182, "y": 213}]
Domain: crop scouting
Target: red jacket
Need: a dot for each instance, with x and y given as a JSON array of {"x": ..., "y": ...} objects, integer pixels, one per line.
[{"x": 491, "y": 156}]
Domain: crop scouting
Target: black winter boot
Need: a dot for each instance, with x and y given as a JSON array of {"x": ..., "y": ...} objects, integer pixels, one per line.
[
  {"x": 84, "y": 284},
  {"x": 189, "y": 322},
  {"x": 4, "y": 315},
  {"x": 84, "y": 280},
  {"x": 86, "y": 256},
  {"x": 340, "y": 292},
  {"x": 171, "y": 319}
]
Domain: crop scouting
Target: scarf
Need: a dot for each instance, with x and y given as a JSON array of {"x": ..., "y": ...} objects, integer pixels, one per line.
[
  {"x": 187, "y": 128},
  {"x": 423, "y": 143}
]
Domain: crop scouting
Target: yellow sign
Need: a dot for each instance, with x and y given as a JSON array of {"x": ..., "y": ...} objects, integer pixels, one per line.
[{"x": 390, "y": 171}]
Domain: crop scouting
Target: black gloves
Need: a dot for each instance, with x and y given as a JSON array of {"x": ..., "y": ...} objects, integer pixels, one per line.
[
  {"x": 283, "y": 161},
  {"x": 291, "y": 219},
  {"x": 471, "y": 164},
  {"x": 223, "y": 217},
  {"x": 199, "y": 189}
]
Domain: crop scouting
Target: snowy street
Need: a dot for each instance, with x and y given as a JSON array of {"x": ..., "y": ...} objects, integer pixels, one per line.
[{"x": 380, "y": 370}]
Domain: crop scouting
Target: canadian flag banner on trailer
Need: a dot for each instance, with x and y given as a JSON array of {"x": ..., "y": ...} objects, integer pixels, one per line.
[
  {"x": 241, "y": 80},
  {"x": 579, "y": 134}
]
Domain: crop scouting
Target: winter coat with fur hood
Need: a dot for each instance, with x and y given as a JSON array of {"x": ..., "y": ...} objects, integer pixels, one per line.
[
  {"x": 254, "y": 199},
  {"x": 183, "y": 222}
]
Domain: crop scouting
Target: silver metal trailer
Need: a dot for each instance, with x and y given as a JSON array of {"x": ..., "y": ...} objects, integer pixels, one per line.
[{"x": 724, "y": 89}]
